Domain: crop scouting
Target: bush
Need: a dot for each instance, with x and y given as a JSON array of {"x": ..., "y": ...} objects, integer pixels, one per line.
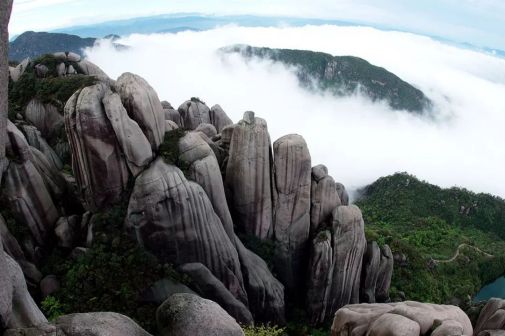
[
  {"x": 263, "y": 331},
  {"x": 52, "y": 308}
]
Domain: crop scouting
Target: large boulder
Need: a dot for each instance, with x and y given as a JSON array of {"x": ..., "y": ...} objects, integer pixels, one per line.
[
  {"x": 190, "y": 315},
  {"x": 174, "y": 218},
  {"x": 370, "y": 272},
  {"x": 292, "y": 172},
  {"x": 91, "y": 69},
  {"x": 265, "y": 292},
  {"x": 324, "y": 198},
  {"x": 209, "y": 287},
  {"x": 248, "y": 177},
  {"x": 132, "y": 141},
  {"x": 45, "y": 117},
  {"x": 219, "y": 118},
  {"x": 491, "y": 318},
  {"x": 193, "y": 113},
  {"x": 98, "y": 324},
  {"x": 402, "y": 319},
  {"x": 171, "y": 114},
  {"x": 97, "y": 160},
  {"x": 204, "y": 170},
  {"x": 385, "y": 275},
  {"x": 143, "y": 106},
  {"x": 35, "y": 139}
]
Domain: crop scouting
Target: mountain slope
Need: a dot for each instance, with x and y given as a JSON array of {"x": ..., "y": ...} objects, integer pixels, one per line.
[
  {"x": 429, "y": 225},
  {"x": 33, "y": 44},
  {"x": 343, "y": 75}
]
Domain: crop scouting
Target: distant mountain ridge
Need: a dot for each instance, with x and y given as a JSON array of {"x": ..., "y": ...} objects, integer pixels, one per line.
[{"x": 343, "y": 75}]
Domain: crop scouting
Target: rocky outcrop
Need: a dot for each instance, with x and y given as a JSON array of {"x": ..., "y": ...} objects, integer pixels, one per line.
[
  {"x": 174, "y": 218},
  {"x": 5, "y": 12},
  {"x": 193, "y": 113},
  {"x": 207, "y": 129},
  {"x": 370, "y": 272},
  {"x": 491, "y": 319},
  {"x": 19, "y": 70},
  {"x": 265, "y": 292},
  {"x": 171, "y": 113},
  {"x": 143, "y": 106},
  {"x": 99, "y": 324},
  {"x": 385, "y": 275},
  {"x": 45, "y": 117},
  {"x": 204, "y": 170},
  {"x": 17, "y": 308},
  {"x": 248, "y": 177},
  {"x": 35, "y": 139},
  {"x": 324, "y": 198},
  {"x": 401, "y": 319},
  {"x": 209, "y": 287},
  {"x": 97, "y": 160},
  {"x": 190, "y": 315},
  {"x": 25, "y": 190},
  {"x": 90, "y": 69},
  {"x": 292, "y": 171},
  {"x": 219, "y": 118},
  {"x": 132, "y": 141},
  {"x": 342, "y": 193}
]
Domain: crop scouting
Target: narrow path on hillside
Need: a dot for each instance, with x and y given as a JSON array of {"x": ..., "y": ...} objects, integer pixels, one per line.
[{"x": 457, "y": 253}]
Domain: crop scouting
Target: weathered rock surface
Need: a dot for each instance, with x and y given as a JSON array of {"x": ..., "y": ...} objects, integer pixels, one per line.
[
  {"x": 49, "y": 285},
  {"x": 405, "y": 318},
  {"x": 324, "y": 198},
  {"x": 265, "y": 292},
  {"x": 24, "y": 189},
  {"x": 132, "y": 141},
  {"x": 248, "y": 177},
  {"x": 19, "y": 70},
  {"x": 193, "y": 113},
  {"x": 171, "y": 113},
  {"x": 5, "y": 12},
  {"x": 45, "y": 117},
  {"x": 209, "y": 287},
  {"x": 98, "y": 324},
  {"x": 370, "y": 272},
  {"x": 174, "y": 218},
  {"x": 143, "y": 106},
  {"x": 190, "y": 315},
  {"x": 35, "y": 139},
  {"x": 491, "y": 318},
  {"x": 97, "y": 160},
  {"x": 68, "y": 231},
  {"x": 163, "y": 289},
  {"x": 207, "y": 129},
  {"x": 292, "y": 183},
  {"x": 219, "y": 118},
  {"x": 385, "y": 275},
  {"x": 18, "y": 310},
  {"x": 204, "y": 170},
  {"x": 342, "y": 193},
  {"x": 91, "y": 69}
]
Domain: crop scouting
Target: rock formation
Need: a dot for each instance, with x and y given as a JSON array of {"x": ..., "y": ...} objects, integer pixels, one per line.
[
  {"x": 248, "y": 177},
  {"x": 97, "y": 161},
  {"x": 190, "y": 315},
  {"x": 491, "y": 319},
  {"x": 5, "y": 12},
  {"x": 324, "y": 198},
  {"x": 370, "y": 272},
  {"x": 401, "y": 319},
  {"x": 292, "y": 183},
  {"x": 219, "y": 118},
  {"x": 193, "y": 113},
  {"x": 385, "y": 274},
  {"x": 45, "y": 117}
]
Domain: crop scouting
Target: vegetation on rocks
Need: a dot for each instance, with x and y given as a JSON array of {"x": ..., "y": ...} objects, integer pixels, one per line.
[{"x": 427, "y": 224}]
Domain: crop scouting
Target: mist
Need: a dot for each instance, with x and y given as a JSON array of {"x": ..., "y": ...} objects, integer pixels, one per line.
[{"x": 358, "y": 140}]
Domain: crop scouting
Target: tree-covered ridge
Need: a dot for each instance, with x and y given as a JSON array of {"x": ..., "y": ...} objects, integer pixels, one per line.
[
  {"x": 344, "y": 75},
  {"x": 427, "y": 224}
]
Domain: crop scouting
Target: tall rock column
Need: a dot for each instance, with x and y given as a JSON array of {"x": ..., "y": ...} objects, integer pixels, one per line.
[
  {"x": 5, "y": 12},
  {"x": 324, "y": 198},
  {"x": 292, "y": 181},
  {"x": 248, "y": 177}
]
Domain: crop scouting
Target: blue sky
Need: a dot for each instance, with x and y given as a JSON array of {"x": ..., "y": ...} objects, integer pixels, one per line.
[{"x": 480, "y": 22}]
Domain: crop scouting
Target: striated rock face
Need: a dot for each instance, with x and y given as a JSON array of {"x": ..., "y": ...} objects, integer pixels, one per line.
[
  {"x": 219, "y": 118},
  {"x": 342, "y": 193},
  {"x": 209, "y": 287},
  {"x": 97, "y": 161},
  {"x": 265, "y": 292},
  {"x": 248, "y": 177},
  {"x": 324, "y": 198},
  {"x": 36, "y": 140},
  {"x": 370, "y": 272},
  {"x": 175, "y": 219},
  {"x": 98, "y": 324},
  {"x": 385, "y": 275},
  {"x": 190, "y": 315},
  {"x": 171, "y": 113},
  {"x": 193, "y": 113},
  {"x": 402, "y": 319},
  {"x": 204, "y": 170},
  {"x": 491, "y": 319},
  {"x": 45, "y": 117},
  {"x": 17, "y": 308},
  {"x": 292, "y": 171},
  {"x": 25, "y": 190},
  {"x": 132, "y": 141},
  {"x": 5, "y": 12},
  {"x": 319, "y": 270},
  {"x": 143, "y": 106}
]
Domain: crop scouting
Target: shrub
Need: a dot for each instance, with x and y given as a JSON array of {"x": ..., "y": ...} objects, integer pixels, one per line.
[{"x": 263, "y": 331}]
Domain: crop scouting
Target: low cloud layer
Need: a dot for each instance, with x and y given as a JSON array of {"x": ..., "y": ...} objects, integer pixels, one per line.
[{"x": 358, "y": 140}]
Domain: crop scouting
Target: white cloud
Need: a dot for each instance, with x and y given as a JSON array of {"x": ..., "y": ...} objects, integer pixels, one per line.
[{"x": 359, "y": 141}]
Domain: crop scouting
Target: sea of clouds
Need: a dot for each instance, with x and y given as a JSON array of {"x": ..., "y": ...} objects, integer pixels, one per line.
[{"x": 360, "y": 141}]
